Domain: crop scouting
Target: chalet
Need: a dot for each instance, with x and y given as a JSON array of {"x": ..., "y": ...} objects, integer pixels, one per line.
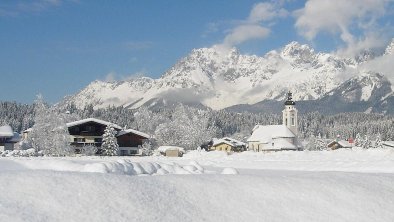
[
  {"x": 90, "y": 132},
  {"x": 277, "y": 137},
  {"x": 130, "y": 141},
  {"x": 229, "y": 145},
  {"x": 8, "y": 138},
  {"x": 336, "y": 144}
]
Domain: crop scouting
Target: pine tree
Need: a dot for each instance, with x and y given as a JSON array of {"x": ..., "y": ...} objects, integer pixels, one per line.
[
  {"x": 378, "y": 142},
  {"x": 366, "y": 143},
  {"x": 358, "y": 141},
  {"x": 110, "y": 145}
]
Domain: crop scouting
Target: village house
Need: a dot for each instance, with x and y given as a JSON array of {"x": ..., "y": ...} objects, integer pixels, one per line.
[
  {"x": 277, "y": 137},
  {"x": 228, "y": 144},
  {"x": 337, "y": 144},
  {"x": 171, "y": 151},
  {"x": 8, "y": 138},
  {"x": 90, "y": 132}
]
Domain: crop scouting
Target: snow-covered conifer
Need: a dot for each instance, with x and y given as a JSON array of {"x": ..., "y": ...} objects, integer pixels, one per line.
[
  {"x": 366, "y": 143},
  {"x": 358, "y": 141},
  {"x": 110, "y": 145},
  {"x": 378, "y": 142}
]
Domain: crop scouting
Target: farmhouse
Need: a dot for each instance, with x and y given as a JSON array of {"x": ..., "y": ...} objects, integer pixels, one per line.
[
  {"x": 90, "y": 132},
  {"x": 228, "y": 144},
  {"x": 8, "y": 138},
  {"x": 339, "y": 144},
  {"x": 277, "y": 137}
]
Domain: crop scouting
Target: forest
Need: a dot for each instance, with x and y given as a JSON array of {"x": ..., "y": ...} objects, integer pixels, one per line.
[{"x": 190, "y": 127}]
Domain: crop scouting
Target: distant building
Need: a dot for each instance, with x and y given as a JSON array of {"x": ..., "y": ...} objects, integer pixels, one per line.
[
  {"x": 171, "y": 151},
  {"x": 229, "y": 145},
  {"x": 339, "y": 144},
  {"x": 8, "y": 138},
  {"x": 277, "y": 137},
  {"x": 388, "y": 144}
]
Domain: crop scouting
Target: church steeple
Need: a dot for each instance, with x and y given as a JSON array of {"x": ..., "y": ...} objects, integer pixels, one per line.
[
  {"x": 289, "y": 100},
  {"x": 290, "y": 118}
]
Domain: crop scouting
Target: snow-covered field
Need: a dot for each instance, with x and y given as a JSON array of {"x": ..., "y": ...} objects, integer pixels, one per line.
[{"x": 342, "y": 185}]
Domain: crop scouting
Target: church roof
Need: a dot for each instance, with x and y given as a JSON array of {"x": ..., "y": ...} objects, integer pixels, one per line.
[{"x": 265, "y": 134}]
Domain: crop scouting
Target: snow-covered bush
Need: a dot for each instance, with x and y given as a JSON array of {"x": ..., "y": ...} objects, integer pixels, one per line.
[
  {"x": 110, "y": 146},
  {"x": 19, "y": 153},
  {"x": 147, "y": 149},
  {"x": 89, "y": 150}
]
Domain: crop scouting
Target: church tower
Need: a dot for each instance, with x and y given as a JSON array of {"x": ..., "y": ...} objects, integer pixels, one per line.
[{"x": 290, "y": 114}]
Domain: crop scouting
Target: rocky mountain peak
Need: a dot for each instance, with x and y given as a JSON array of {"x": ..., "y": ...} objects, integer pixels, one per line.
[
  {"x": 299, "y": 53},
  {"x": 390, "y": 48}
]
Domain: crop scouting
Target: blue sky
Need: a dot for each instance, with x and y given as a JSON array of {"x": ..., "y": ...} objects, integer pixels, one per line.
[{"x": 57, "y": 47}]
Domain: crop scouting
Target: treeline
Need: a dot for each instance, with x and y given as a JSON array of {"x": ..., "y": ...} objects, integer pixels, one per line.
[{"x": 218, "y": 123}]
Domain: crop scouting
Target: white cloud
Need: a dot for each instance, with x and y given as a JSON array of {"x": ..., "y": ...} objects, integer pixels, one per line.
[
  {"x": 114, "y": 77},
  {"x": 344, "y": 19},
  {"x": 244, "y": 33},
  {"x": 253, "y": 27},
  {"x": 110, "y": 77},
  {"x": 20, "y": 7},
  {"x": 266, "y": 11}
]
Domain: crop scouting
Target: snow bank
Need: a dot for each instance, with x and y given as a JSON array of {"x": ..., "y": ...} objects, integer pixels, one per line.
[
  {"x": 267, "y": 196},
  {"x": 121, "y": 166},
  {"x": 229, "y": 170},
  {"x": 349, "y": 160},
  {"x": 20, "y": 153}
]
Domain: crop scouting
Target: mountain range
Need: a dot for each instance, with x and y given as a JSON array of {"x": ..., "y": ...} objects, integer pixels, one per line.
[{"x": 222, "y": 78}]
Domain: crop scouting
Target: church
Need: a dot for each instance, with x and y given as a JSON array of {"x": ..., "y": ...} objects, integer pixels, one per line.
[{"x": 277, "y": 137}]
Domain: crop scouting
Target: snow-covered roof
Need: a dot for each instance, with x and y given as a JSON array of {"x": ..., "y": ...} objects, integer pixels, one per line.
[
  {"x": 6, "y": 131},
  {"x": 265, "y": 134},
  {"x": 229, "y": 141},
  {"x": 163, "y": 149},
  {"x": 15, "y": 138},
  {"x": 281, "y": 143},
  {"x": 123, "y": 132},
  {"x": 342, "y": 143},
  {"x": 388, "y": 143},
  {"x": 102, "y": 122}
]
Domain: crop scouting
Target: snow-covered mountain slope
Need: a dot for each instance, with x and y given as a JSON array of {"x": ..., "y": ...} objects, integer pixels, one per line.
[
  {"x": 218, "y": 78},
  {"x": 390, "y": 48}
]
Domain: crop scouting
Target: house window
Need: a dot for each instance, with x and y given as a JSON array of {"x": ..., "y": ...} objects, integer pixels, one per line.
[
  {"x": 292, "y": 121},
  {"x": 272, "y": 144},
  {"x": 79, "y": 140},
  {"x": 286, "y": 121},
  {"x": 98, "y": 140}
]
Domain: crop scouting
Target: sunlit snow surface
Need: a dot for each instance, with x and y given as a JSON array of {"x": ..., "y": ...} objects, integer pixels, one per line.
[{"x": 342, "y": 185}]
